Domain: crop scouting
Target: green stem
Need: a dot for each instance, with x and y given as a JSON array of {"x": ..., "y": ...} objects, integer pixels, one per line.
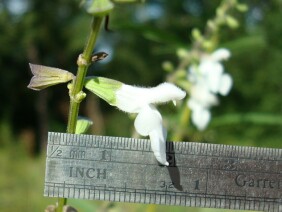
[
  {"x": 81, "y": 72},
  {"x": 83, "y": 63}
]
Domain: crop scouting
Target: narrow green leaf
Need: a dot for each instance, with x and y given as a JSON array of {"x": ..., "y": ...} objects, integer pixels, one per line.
[
  {"x": 82, "y": 125},
  {"x": 254, "y": 118}
]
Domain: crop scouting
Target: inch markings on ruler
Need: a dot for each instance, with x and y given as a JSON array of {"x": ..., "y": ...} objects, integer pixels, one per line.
[{"x": 199, "y": 174}]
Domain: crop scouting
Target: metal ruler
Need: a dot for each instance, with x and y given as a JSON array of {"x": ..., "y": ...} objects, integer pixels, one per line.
[{"x": 199, "y": 174}]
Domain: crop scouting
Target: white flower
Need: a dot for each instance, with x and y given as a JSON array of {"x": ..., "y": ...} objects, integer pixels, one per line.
[
  {"x": 132, "y": 99},
  {"x": 148, "y": 122},
  {"x": 208, "y": 79},
  {"x": 200, "y": 102}
]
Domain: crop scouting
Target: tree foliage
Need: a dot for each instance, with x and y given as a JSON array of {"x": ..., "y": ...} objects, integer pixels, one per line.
[{"x": 143, "y": 36}]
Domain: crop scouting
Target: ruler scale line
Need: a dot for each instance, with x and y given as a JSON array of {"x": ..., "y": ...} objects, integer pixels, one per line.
[
  {"x": 275, "y": 153},
  {"x": 103, "y": 187}
]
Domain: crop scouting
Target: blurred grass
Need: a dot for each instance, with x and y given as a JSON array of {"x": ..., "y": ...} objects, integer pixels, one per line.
[
  {"x": 21, "y": 181},
  {"x": 255, "y": 118}
]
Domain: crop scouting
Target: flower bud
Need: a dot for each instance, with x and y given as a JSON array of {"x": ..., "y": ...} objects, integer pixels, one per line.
[
  {"x": 129, "y": 1},
  {"x": 99, "y": 56},
  {"x": 182, "y": 53},
  {"x": 212, "y": 25},
  {"x": 242, "y": 7},
  {"x": 167, "y": 66},
  {"x": 104, "y": 88},
  {"x": 45, "y": 76},
  {"x": 231, "y": 22},
  {"x": 100, "y": 7},
  {"x": 197, "y": 34}
]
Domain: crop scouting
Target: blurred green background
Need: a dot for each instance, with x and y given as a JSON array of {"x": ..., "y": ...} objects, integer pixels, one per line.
[{"x": 143, "y": 36}]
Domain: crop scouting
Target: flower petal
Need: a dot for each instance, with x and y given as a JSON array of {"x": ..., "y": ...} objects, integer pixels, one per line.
[
  {"x": 149, "y": 122},
  {"x": 165, "y": 92},
  {"x": 220, "y": 54},
  {"x": 158, "y": 144},
  {"x": 201, "y": 94},
  {"x": 201, "y": 118},
  {"x": 213, "y": 76},
  {"x": 148, "y": 119},
  {"x": 193, "y": 104},
  {"x": 225, "y": 84},
  {"x": 207, "y": 67},
  {"x": 132, "y": 99}
]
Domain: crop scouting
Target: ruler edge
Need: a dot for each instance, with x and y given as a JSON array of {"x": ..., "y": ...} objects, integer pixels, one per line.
[{"x": 180, "y": 147}]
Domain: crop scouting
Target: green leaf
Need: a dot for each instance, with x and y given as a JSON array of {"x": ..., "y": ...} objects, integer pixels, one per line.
[
  {"x": 82, "y": 125},
  {"x": 104, "y": 88},
  {"x": 254, "y": 118}
]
